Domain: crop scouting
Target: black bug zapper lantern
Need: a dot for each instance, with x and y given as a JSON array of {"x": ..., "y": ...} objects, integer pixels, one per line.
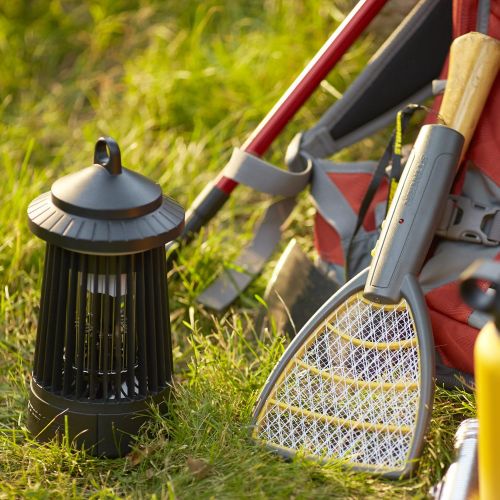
[{"x": 103, "y": 349}]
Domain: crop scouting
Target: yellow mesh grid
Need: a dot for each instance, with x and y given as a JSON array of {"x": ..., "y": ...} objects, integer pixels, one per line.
[{"x": 352, "y": 390}]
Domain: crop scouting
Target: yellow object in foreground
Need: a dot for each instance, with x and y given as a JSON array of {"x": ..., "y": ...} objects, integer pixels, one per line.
[{"x": 487, "y": 374}]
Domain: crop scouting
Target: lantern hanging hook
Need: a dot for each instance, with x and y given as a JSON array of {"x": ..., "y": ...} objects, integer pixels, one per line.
[{"x": 107, "y": 154}]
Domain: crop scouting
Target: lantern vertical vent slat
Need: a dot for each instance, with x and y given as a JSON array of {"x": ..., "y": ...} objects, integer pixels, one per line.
[
  {"x": 141, "y": 326},
  {"x": 116, "y": 335},
  {"x": 105, "y": 336},
  {"x": 91, "y": 330},
  {"x": 60, "y": 314},
  {"x": 160, "y": 326},
  {"x": 70, "y": 338},
  {"x": 50, "y": 319},
  {"x": 82, "y": 302},
  {"x": 131, "y": 329},
  {"x": 150, "y": 322},
  {"x": 103, "y": 350},
  {"x": 40, "y": 340},
  {"x": 165, "y": 311}
]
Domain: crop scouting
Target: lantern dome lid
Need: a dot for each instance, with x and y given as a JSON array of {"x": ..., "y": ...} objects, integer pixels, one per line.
[{"x": 106, "y": 208}]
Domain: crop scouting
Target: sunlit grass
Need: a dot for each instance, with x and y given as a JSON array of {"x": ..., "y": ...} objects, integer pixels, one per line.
[{"x": 177, "y": 84}]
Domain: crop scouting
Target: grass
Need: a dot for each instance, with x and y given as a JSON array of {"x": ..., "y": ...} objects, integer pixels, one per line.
[{"x": 177, "y": 84}]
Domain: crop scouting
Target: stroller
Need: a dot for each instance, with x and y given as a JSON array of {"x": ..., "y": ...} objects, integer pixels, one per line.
[{"x": 351, "y": 198}]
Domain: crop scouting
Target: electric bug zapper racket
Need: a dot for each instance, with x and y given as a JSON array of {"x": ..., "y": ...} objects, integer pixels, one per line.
[{"x": 357, "y": 382}]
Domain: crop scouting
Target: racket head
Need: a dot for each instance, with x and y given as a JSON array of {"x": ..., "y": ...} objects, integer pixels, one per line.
[{"x": 303, "y": 410}]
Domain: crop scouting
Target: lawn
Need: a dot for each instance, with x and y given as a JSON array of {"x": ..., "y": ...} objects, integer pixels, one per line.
[{"x": 178, "y": 84}]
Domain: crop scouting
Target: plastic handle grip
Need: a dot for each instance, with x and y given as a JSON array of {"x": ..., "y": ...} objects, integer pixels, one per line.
[{"x": 414, "y": 214}]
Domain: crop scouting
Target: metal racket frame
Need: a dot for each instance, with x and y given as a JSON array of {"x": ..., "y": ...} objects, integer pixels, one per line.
[{"x": 413, "y": 294}]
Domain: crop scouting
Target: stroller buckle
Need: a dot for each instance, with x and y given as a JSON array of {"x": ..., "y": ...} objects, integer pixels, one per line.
[{"x": 466, "y": 220}]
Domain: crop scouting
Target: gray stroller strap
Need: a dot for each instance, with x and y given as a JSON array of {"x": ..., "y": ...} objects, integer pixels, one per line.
[
  {"x": 264, "y": 177},
  {"x": 226, "y": 288}
]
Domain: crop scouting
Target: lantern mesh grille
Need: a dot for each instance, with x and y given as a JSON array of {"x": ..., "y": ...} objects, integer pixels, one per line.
[{"x": 104, "y": 328}]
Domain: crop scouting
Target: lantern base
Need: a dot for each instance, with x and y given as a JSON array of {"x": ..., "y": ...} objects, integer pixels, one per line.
[{"x": 103, "y": 428}]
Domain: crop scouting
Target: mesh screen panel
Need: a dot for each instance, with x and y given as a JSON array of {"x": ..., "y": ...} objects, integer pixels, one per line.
[{"x": 351, "y": 391}]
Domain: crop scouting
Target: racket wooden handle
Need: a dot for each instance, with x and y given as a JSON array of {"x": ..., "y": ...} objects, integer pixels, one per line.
[{"x": 474, "y": 64}]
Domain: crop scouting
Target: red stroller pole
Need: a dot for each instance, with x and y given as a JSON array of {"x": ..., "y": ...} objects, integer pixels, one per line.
[{"x": 208, "y": 203}]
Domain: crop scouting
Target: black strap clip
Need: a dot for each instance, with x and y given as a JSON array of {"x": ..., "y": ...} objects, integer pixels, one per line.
[{"x": 466, "y": 220}]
